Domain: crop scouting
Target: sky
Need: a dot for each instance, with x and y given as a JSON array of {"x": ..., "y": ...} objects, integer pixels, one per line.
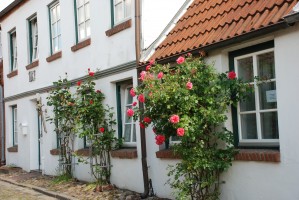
[{"x": 4, "y": 3}]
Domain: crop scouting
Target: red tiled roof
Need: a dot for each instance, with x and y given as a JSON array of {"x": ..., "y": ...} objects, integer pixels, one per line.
[{"x": 207, "y": 22}]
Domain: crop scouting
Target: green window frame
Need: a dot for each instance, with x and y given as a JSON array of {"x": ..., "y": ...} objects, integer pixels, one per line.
[
  {"x": 14, "y": 114},
  {"x": 13, "y": 50},
  {"x": 82, "y": 19},
  {"x": 120, "y": 11},
  {"x": 255, "y": 121},
  {"x": 55, "y": 26},
  {"x": 33, "y": 38}
]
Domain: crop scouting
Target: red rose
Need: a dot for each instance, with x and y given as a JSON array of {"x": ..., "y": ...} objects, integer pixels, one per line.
[
  {"x": 180, "y": 60},
  {"x": 141, "y": 125},
  {"x": 154, "y": 130},
  {"x": 148, "y": 68},
  {"x": 147, "y": 120},
  {"x": 88, "y": 69},
  {"x": 231, "y": 75},
  {"x": 98, "y": 91},
  {"x": 134, "y": 103},
  {"x": 102, "y": 129},
  {"x": 180, "y": 132},
  {"x": 174, "y": 119},
  {"x": 130, "y": 112},
  {"x": 79, "y": 83},
  {"x": 160, "y": 139},
  {"x": 160, "y": 75},
  {"x": 90, "y": 102},
  {"x": 189, "y": 85},
  {"x": 141, "y": 98},
  {"x": 91, "y": 73},
  {"x": 132, "y": 92}
]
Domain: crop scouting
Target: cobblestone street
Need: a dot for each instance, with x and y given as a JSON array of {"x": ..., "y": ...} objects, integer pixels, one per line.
[{"x": 12, "y": 192}]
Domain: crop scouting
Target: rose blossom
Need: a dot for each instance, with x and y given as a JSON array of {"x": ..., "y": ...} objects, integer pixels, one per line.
[
  {"x": 231, "y": 75},
  {"x": 148, "y": 68},
  {"x": 98, "y": 91},
  {"x": 142, "y": 75},
  {"x": 79, "y": 83},
  {"x": 102, "y": 129},
  {"x": 147, "y": 120},
  {"x": 132, "y": 92},
  {"x": 160, "y": 75},
  {"x": 189, "y": 85},
  {"x": 160, "y": 139},
  {"x": 174, "y": 119},
  {"x": 180, "y": 60},
  {"x": 141, "y": 125},
  {"x": 154, "y": 130},
  {"x": 141, "y": 98},
  {"x": 134, "y": 103},
  {"x": 130, "y": 112},
  {"x": 90, "y": 102},
  {"x": 151, "y": 62},
  {"x": 91, "y": 73},
  {"x": 180, "y": 132}
]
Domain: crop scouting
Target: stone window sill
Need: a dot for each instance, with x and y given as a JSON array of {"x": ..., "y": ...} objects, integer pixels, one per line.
[
  {"x": 81, "y": 45},
  {"x": 261, "y": 155},
  {"x": 124, "y": 153},
  {"x": 83, "y": 152},
  {"x": 54, "y": 152},
  {"x": 167, "y": 154},
  {"x": 54, "y": 56},
  {"x": 32, "y": 65},
  {"x": 12, "y": 149},
  {"x": 12, "y": 74},
  {"x": 119, "y": 28}
]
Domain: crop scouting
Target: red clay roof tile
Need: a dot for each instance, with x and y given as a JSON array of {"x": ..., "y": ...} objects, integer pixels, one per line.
[{"x": 210, "y": 21}]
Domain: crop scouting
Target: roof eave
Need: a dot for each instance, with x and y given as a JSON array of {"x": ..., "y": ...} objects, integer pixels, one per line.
[
  {"x": 291, "y": 18},
  {"x": 9, "y": 8}
]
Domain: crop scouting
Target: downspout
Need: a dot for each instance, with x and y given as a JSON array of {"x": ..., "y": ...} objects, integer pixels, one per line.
[
  {"x": 2, "y": 127},
  {"x": 142, "y": 130}
]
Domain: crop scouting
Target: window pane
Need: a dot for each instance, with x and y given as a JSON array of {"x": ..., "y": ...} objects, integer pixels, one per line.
[
  {"x": 267, "y": 92},
  {"x": 59, "y": 43},
  {"x": 245, "y": 69},
  {"x": 58, "y": 12},
  {"x": 54, "y": 30},
  {"x": 134, "y": 133},
  {"x": 248, "y": 126},
  {"x": 87, "y": 24},
  {"x": 266, "y": 68},
  {"x": 80, "y": 3},
  {"x": 118, "y": 13},
  {"x": 87, "y": 11},
  {"x": 55, "y": 44},
  {"x": 54, "y": 15},
  {"x": 127, "y": 135},
  {"x": 269, "y": 123},
  {"x": 81, "y": 31},
  {"x": 128, "y": 7},
  {"x": 248, "y": 104},
  {"x": 81, "y": 17},
  {"x": 58, "y": 28}
]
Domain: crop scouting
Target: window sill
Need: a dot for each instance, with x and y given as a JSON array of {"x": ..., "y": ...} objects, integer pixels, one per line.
[
  {"x": 81, "y": 45},
  {"x": 124, "y": 153},
  {"x": 118, "y": 28},
  {"x": 54, "y": 56},
  {"x": 167, "y": 154},
  {"x": 83, "y": 152},
  {"x": 12, "y": 149},
  {"x": 262, "y": 155},
  {"x": 32, "y": 65},
  {"x": 12, "y": 74},
  {"x": 54, "y": 152}
]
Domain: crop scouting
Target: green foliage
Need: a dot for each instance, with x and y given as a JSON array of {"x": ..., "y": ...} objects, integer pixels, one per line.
[
  {"x": 200, "y": 97},
  {"x": 62, "y": 179}
]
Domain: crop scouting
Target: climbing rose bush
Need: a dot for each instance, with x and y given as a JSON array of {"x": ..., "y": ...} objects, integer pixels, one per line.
[{"x": 190, "y": 100}]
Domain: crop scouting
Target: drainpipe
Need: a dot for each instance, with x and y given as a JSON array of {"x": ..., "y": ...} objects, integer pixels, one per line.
[
  {"x": 142, "y": 130},
  {"x": 2, "y": 127}
]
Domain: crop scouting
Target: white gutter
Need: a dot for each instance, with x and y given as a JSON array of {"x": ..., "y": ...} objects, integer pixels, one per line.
[{"x": 2, "y": 126}]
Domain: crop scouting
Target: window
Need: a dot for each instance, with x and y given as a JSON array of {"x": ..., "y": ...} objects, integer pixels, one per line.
[
  {"x": 121, "y": 10},
  {"x": 55, "y": 32},
  {"x": 83, "y": 19},
  {"x": 33, "y": 39},
  {"x": 14, "y": 126},
  {"x": 126, "y": 125},
  {"x": 13, "y": 50},
  {"x": 256, "y": 117}
]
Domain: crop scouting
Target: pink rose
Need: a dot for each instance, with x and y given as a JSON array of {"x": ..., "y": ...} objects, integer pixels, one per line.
[
  {"x": 160, "y": 139},
  {"x": 134, "y": 103},
  {"x": 189, "y": 85},
  {"x": 160, "y": 75},
  {"x": 141, "y": 125},
  {"x": 147, "y": 120},
  {"x": 151, "y": 62},
  {"x": 102, "y": 129},
  {"x": 142, "y": 75},
  {"x": 148, "y": 68},
  {"x": 132, "y": 92},
  {"x": 180, "y": 60},
  {"x": 174, "y": 119},
  {"x": 231, "y": 75},
  {"x": 141, "y": 98},
  {"x": 130, "y": 112},
  {"x": 180, "y": 132},
  {"x": 91, "y": 73}
]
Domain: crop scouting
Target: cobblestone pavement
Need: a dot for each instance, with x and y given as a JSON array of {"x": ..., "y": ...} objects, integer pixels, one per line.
[{"x": 12, "y": 192}]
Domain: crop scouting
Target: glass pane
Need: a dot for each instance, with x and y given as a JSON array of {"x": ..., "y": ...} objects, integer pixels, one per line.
[
  {"x": 53, "y": 15},
  {"x": 87, "y": 24},
  {"x": 54, "y": 30},
  {"x": 59, "y": 42},
  {"x": 266, "y": 67},
  {"x": 267, "y": 92},
  {"x": 245, "y": 69},
  {"x": 127, "y": 134},
  {"x": 134, "y": 133},
  {"x": 248, "y": 126},
  {"x": 55, "y": 44},
  {"x": 130, "y": 98},
  {"x": 269, "y": 123},
  {"x": 58, "y": 12},
  {"x": 81, "y": 17},
  {"x": 87, "y": 11},
  {"x": 81, "y": 32},
  {"x": 80, "y": 3},
  {"x": 248, "y": 104},
  {"x": 118, "y": 13},
  {"x": 58, "y": 28},
  {"x": 128, "y": 8}
]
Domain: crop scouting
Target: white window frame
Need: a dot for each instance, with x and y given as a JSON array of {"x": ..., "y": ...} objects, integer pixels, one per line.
[
  {"x": 259, "y": 141},
  {"x": 34, "y": 38},
  {"x": 14, "y": 125},
  {"x": 86, "y": 19},
  {"x": 55, "y": 22},
  {"x": 124, "y": 11},
  {"x": 13, "y": 50}
]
